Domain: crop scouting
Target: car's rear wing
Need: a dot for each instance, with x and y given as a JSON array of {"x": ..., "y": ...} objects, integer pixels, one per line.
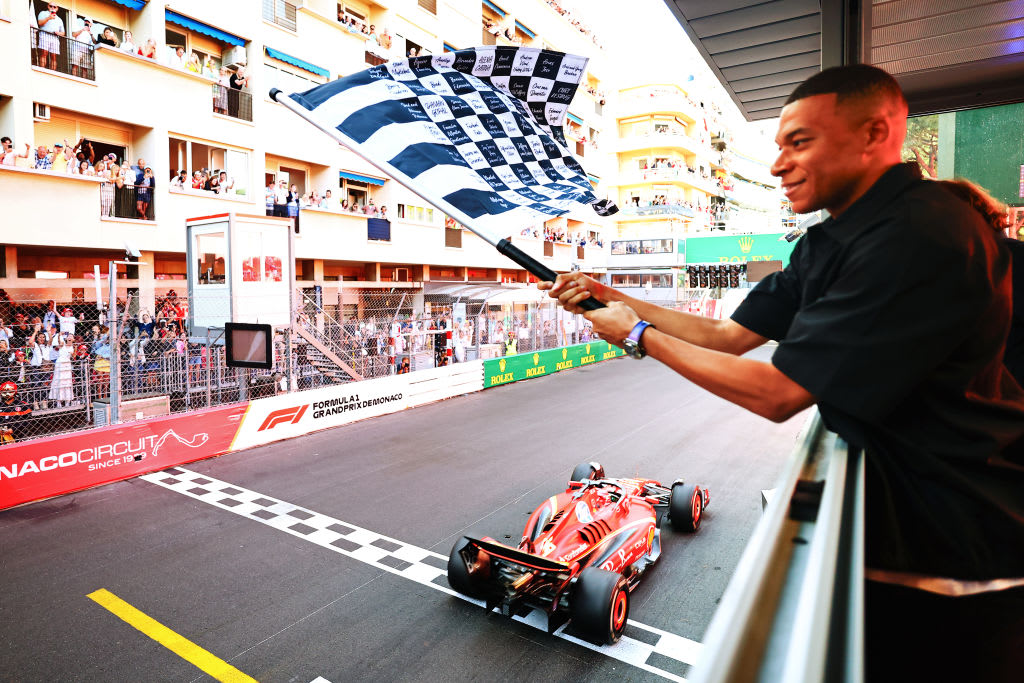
[{"x": 517, "y": 556}]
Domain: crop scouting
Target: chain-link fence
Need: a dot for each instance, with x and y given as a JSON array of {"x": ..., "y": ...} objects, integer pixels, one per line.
[{"x": 68, "y": 358}]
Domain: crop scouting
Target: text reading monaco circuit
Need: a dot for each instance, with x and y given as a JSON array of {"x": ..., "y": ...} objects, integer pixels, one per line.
[{"x": 582, "y": 552}]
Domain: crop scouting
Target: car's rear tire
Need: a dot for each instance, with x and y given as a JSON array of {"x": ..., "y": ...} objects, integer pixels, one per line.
[
  {"x": 587, "y": 470},
  {"x": 686, "y": 507},
  {"x": 467, "y": 578},
  {"x": 600, "y": 605}
]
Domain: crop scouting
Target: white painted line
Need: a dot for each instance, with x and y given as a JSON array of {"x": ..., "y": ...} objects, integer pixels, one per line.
[{"x": 399, "y": 558}]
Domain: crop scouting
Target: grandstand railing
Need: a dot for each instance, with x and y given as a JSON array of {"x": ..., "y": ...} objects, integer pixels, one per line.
[
  {"x": 793, "y": 610},
  {"x": 127, "y": 201},
  {"x": 62, "y": 54}
]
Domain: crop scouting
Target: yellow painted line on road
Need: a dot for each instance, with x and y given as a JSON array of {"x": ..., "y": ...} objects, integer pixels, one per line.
[{"x": 179, "y": 645}]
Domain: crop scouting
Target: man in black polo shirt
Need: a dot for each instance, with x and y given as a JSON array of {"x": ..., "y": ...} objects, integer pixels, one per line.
[{"x": 891, "y": 316}]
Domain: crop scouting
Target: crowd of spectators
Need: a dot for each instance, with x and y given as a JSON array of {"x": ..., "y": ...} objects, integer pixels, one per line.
[
  {"x": 216, "y": 181},
  {"x": 367, "y": 31},
  {"x": 560, "y": 236},
  {"x": 286, "y": 201},
  {"x": 59, "y": 355},
  {"x": 569, "y": 16},
  {"x": 127, "y": 190}
]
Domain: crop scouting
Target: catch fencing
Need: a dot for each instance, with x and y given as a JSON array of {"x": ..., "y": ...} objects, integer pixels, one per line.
[{"x": 68, "y": 358}]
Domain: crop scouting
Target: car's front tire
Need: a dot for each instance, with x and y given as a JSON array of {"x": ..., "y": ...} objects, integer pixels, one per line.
[
  {"x": 587, "y": 470},
  {"x": 600, "y": 605}
]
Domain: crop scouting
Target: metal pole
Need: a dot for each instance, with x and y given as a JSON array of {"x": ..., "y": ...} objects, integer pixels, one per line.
[
  {"x": 115, "y": 344},
  {"x": 209, "y": 369},
  {"x": 289, "y": 359}
]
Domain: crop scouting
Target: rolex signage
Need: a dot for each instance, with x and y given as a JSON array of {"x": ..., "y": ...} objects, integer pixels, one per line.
[
  {"x": 736, "y": 248},
  {"x": 528, "y": 365}
]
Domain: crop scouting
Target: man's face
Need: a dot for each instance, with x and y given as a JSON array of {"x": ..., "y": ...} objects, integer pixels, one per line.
[
  {"x": 820, "y": 159},
  {"x": 41, "y": 151},
  {"x": 142, "y": 163}
]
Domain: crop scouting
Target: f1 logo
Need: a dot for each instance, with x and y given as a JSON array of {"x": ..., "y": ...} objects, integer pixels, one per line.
[{"x": 292, "y": 415}]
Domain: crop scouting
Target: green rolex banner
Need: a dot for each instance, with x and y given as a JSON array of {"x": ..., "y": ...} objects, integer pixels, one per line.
[{"x": 538, "y": 363}]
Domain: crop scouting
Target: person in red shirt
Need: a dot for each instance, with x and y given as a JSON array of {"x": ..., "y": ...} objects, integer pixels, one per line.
[{"x": 13, "y": 413}]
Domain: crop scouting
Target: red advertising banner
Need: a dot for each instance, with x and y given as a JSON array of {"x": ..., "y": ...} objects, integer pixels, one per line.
[{"x": 42, "y": 468}]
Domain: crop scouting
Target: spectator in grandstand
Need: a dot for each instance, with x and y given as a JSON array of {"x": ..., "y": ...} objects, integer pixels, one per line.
[
  {"x": 43, "y": 159},
  {"x": 369, "y": 209},
  {"x": 177, "y": 58},
  {"x": 148, "y": 50},
  {"x": 325, "y": 201},
  {"x": 193, "y": 65},
  {"x": 108, "y": 37},
  {"x": 128, "y": 43},
  {"x": 292, "y": 201},
  {"x": 51, "y": 27},
  {"x": 8, "y": 157},
  {"x": 61, "y": 387},
  {"x": 220, "y": 98},
  {"x": 269, "y": 194},
  {"x": 907, "y": 367},
  {"x": 281, "y": 199},
  {"x": 210, "y": 68},
  {"x": 238, "y": 80},
  {"x": 383, "y": 214},
  {"x": 144, "y": 194},
  {"x": 179, "y": 180},
  {"x": 14, "y": 414},
  {"x": 67, "y": 322},
  {"x": 344, "y": 205},
  {"x": 224, "y": 183},
  {"x": 81, "y": 56}
]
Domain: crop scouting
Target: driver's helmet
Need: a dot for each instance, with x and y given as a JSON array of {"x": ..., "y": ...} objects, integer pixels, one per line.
[{"x": 8, "y": 390}]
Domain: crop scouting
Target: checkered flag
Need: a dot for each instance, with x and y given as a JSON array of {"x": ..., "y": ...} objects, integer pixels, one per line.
[{"x": 477, "y": 133}]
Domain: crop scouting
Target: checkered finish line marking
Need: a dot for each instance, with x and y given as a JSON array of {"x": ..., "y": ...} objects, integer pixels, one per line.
[{"x": 646, "y": 647}]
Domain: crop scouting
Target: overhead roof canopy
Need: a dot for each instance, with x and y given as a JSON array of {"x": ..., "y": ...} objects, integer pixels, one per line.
[{"x": 953, "y": 54}]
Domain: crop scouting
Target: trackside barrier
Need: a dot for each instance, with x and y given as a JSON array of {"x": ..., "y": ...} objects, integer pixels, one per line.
[
  {"x": 43, "y": 468},
  {"x": 54, "y": 465},
  {"x": 794, "y": 609},
  {"x": 498, "y": 371},
  {"x": 291, "y": 415}
]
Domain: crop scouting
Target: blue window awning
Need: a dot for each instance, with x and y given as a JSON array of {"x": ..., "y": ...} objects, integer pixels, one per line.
[
  {"x": 525, "y": 30},
  {"x": 132, "y": 4},
  {"x": 450, "y": 48},
  {"x": 295, "y": 61},
  {"x": 345, "y": 175},
  {"x": 593, "y": 178},
  {"x": 200, "y": 27},
  {"x": 494, "y": 7},
  {"x": 575, "y": 119}
]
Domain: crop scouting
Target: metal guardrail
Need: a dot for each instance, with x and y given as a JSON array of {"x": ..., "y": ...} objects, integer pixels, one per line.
[
  {"x": 63, "y": 54},
  {"x": 232, "y": 102},
  {"x": 793, "y": 610}
]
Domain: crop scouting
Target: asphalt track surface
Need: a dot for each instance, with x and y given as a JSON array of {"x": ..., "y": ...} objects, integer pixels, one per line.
[{"x": 320, "y": 558}]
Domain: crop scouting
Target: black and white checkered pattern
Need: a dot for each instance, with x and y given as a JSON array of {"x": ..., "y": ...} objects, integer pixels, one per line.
[
  {"x": 477, "y": 132},
  {"x": 646, "y": 647}
]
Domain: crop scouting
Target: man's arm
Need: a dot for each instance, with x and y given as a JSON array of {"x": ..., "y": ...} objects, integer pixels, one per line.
[
  {"x": 755, "y": 385},
  {"x": 726, "y": 336}
]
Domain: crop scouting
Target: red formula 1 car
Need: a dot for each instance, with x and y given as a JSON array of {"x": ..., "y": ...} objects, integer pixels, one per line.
[{"x": 582, "y": 552}]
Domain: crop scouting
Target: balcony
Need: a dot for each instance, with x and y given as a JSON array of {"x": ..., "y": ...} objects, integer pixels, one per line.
[
  {"x": 681, "y": 176},
  {"x": 62, "y": 54},
  {"x": 128, "y": 201},
  {"x": 231, "y": 102},
  {"x": 671, "y": 210},
  {"x": 668, "y": 102},
  {"x": 672, "y": 140}
]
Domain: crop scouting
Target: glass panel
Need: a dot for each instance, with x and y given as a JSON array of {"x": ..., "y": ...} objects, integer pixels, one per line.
[{"x": 211, "y": 250}]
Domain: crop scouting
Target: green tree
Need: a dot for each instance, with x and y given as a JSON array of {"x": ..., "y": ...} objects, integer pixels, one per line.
[{"x": 922, "y": 143}]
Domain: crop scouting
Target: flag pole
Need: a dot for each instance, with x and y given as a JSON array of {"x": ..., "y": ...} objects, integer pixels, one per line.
[{"x": 503, "y": 245}]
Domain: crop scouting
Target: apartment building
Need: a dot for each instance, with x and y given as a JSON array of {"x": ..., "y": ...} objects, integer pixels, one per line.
[
  {"x": 56, "y": 226},
  {"x": 683, "y": 176}
]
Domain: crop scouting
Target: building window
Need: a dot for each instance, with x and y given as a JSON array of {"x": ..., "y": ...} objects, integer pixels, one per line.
[
  {"x": 417, "y": 214},
  {"x": 193, "y": 157},
  {"x": 280, "y": 12}
]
